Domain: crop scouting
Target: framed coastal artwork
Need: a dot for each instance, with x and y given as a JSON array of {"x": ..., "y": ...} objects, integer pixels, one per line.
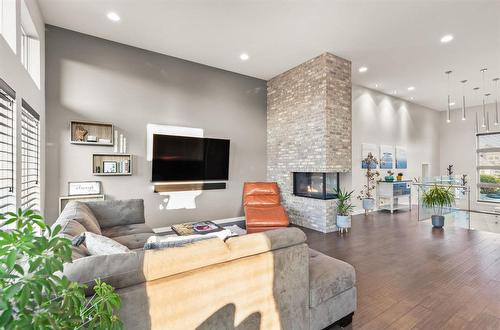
[
  {"x": 386, "y": 157},
  {"x": 401, "y": 158},
  {"x": 367, "y": 148}
]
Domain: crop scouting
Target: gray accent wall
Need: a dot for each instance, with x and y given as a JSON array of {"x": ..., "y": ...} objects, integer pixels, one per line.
[{"x": 98, "y": 80}]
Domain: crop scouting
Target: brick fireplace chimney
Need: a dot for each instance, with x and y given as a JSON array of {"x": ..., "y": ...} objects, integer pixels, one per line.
[{"x": 309, "y": 130}]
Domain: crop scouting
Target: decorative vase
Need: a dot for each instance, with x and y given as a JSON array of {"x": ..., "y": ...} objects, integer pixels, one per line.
[
  {"x": 389, "y": 178},
  {"x": 399, "y": 178},
  {"x": 437, "y": 221},
  {"x": 344, "y": 221},
  {"x": 368, "y": 203}
]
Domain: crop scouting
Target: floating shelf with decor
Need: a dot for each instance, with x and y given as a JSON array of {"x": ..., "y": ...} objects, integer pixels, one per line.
[
  {"x": 111, "y": 164},
  {"x": 91, "y": 133}
]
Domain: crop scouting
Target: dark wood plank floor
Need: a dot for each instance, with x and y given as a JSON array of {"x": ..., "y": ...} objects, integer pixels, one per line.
[{"x": 411, "y": 276}]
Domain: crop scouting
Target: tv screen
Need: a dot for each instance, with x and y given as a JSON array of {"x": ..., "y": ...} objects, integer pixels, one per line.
[{"x": 182, "y": 158}]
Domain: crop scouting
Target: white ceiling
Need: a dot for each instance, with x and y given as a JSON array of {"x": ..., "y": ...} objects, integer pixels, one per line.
[{"x": 398, "y": 40}]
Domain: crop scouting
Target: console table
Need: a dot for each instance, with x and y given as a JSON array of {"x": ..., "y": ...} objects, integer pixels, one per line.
[{"x": 389, "y": 194}]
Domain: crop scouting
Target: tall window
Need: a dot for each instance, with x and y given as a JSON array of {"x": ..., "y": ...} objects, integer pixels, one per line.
[
  {"x": 488, "y": 167},
  {"x": 30, "y": 45},
  {"x": 8, "y": 22},
  {"x": 30, "y": 158},
  {"x": 7, "y": 148}
]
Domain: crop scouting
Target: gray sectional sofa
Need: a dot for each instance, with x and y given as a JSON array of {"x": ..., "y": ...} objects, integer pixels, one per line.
[{"x": 269, "y": 280}]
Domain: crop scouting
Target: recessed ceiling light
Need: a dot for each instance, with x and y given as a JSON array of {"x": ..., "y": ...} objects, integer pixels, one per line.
[
  {"x": 244, "y": 57},
  {"x": 452, "y": 104},
  {"x": 394, "y": 92},
  {"x": 446, "y": 38},
  {"x": 411, "y": 88},
  {"x": 363, "y": 69},
  {"x": 412, "y": 98},
  {"x": 113, "y": 16},
  {"x": 376, "y": 85}
]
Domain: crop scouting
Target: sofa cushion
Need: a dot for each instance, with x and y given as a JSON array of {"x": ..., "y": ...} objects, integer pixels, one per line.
[
  {"x": 70, "y": 229},
  {"x": 124, "y": 230},
  {"x": 118, "y": 212},
  {"x": 167, "y": 262},
  {"x": 100, "y": 245},
  {"x": 81, "y": 213},
  {"x": 119, "y": 270},
  {"x": 133, "y": 241},
  {"x": 328, "y": 277}
]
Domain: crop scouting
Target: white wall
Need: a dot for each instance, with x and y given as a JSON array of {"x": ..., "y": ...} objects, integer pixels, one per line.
[
  {"x": 458, "y": 147},
  {"x": 382, "y": 119},
  {"x": 14, "y": 74}
]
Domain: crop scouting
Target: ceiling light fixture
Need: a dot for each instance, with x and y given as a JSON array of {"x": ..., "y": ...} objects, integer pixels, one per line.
[
  {"x": 411, "y": 88},
  {"x": 446, "y": 38},
  {"x": 452, "y": 104},
  {"x": 475, "y": 96},
  {"x": 448, "y": 108},
  {"x": 363, "y": 69},
  {"x": 244, "y": 57},
  {"x": 496, "y": 99},
  {"x": 483, "y": 73},
  {"x": 463, "y": 98},
  {"x": 112, "y": 16}
]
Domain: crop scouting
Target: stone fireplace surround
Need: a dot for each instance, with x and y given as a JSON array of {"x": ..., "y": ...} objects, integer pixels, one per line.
[{"x": 309, "y": 130}]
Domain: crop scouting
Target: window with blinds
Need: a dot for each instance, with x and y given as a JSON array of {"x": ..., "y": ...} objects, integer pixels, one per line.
[
  {"x": 30, "y": 158},
  {"x": 7, "y": 148}
]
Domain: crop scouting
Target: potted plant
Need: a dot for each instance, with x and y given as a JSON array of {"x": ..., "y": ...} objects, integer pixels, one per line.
[
  {"x": 390, "y": 176},
  {"x": 366, "y": 193},
  {"x": 35, "y": 294},
  {"x": 344, "y": 209},
  {"x": 437, "y": 198},
  {"x": 400, "y": 176}
]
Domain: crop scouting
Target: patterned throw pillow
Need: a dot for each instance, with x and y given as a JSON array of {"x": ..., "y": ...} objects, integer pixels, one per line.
[{"x": 99, "y": 245}]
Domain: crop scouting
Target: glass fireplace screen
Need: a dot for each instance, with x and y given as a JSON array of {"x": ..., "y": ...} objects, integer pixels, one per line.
[{"x": 316, "y": 184}]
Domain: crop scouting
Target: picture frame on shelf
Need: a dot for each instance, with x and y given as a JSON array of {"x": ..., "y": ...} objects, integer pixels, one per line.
[
  {"x": 109, "y": 166},
  {"x": 83, "y": 188}
]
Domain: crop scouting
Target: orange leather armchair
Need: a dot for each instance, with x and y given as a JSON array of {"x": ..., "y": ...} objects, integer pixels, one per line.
[{"x": 263, "y": 210}]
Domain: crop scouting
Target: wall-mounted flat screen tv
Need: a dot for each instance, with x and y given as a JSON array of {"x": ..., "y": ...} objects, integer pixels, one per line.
[{"x": 183, "y": 158}]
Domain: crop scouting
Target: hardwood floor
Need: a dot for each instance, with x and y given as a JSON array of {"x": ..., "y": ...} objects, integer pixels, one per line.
[{"x": 411, "y": 276}]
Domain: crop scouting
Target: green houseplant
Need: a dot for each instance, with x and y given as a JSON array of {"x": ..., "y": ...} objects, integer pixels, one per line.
[
  {"x": 33, "y": 292},
  {"x": 437, "y": 198},
  {"x": 366, "y": 193},
  {"x": 344, "y": 209}
]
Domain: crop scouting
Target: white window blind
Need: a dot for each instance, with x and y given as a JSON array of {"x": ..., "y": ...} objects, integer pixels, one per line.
[
  {"x": 7, "y": 148},
  {"x": 30, "y": 158}
]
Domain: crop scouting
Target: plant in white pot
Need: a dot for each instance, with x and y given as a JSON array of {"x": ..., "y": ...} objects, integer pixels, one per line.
[
  {"x": 438, "y": 198},
  {"x": 344, "y": 209},
  {"x": 366, "y": 194}
]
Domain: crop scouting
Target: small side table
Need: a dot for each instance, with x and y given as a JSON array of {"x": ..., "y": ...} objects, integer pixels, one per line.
[{"x": 389, "y": 194}]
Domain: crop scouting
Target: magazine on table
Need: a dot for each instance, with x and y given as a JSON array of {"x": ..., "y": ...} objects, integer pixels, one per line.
[{"x": 193, "y": 228}]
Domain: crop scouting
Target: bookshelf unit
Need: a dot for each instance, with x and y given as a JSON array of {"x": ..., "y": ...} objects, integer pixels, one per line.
[
  {"x": 99, "y": 130},
  {"x": 112, "y": 164}
]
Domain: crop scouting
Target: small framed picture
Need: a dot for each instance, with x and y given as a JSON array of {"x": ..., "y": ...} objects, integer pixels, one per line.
[
  {"x": 81, "y": 188},
  {"x": 109, "y": 166}
]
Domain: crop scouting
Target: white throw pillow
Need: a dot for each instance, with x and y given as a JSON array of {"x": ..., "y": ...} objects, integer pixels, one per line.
[{"x": 99, "y": 245}]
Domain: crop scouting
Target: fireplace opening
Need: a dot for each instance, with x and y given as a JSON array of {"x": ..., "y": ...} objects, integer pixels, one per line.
[{"x": 316, "y": 184}]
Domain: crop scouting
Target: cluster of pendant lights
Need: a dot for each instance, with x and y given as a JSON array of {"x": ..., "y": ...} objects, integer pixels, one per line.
[{"x": 486, "y": 116}]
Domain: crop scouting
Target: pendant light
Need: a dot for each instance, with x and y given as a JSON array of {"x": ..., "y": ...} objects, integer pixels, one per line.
[
  {"x": 463, "y": 98},
  {"x": 485, "y": 101},
  {"x": 483, "y": 72},
  {"x": 487, "y": 122},
  {"x": 496, "y": 99},
  {"x": 448, "y": 109},
  {"x": 476, "y": 91},
  {"x": 477, "y": 125}
]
